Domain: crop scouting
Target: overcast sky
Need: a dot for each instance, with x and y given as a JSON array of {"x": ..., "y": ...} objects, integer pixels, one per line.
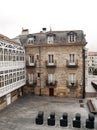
[{"x": 57, "y": 14}]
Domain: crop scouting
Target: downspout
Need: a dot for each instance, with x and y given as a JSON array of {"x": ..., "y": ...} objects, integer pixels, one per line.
[
  {"x": 40, "y": 68},
  {"x": 83, "y": 56}
]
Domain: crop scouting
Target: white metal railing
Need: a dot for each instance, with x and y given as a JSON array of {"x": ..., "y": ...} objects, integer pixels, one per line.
[
  {"x": 11, "y": 87},
  {"x": 11, "y": 64}
]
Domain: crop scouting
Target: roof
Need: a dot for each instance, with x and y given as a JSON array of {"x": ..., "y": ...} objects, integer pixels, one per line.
[
  {"x": 59, "y": 37},
  {"x": 3, "y": 37},
  {"x": 92, "y": 53}
]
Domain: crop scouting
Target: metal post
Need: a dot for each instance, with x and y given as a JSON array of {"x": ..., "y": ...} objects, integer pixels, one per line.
[
  {"x": 40, "y": 68},
  {"x": 83, "y": 56}
]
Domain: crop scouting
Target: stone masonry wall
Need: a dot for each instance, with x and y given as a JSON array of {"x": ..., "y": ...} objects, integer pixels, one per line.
[{"x": 61, "y": 71}]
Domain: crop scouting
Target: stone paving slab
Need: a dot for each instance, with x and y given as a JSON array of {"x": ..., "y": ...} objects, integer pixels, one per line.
[{"x": 21, "y": 114}]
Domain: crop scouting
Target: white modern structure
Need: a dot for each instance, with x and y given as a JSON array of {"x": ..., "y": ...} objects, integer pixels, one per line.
[
  {"x": 12, "y": 70},
  {"x": 91, "y": 66},
  {"x": 92, "y": 62}
]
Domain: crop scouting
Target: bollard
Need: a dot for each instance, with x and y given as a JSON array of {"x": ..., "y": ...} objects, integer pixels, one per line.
[
  {"x": 39, "y": 118},
  {"x": 77, "y": 121},
  {"x": 65, "y": 115},
  {"x": 52, "y": 115},
  {"x": 90, "y": 121},
  {"x": 77, "y": 116},
  {"x": 64, "y": 120},
  {"x": 51, "y": 119}
]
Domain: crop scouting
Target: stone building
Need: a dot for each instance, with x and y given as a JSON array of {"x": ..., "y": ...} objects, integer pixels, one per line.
[
  {"x": 92, "y": 62},
  {"x": 12, "y": 70},
  {"x": 54, "y": 62}
]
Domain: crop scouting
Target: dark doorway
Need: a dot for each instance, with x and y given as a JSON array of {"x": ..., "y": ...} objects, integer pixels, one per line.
[{"x": 51, "y": 92}]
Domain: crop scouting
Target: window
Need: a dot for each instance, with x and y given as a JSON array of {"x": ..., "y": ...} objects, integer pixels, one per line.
[
  {"x": 6, "y": 55},
  {"x": 21, "y": 75},
  {"x": 37, "y": 57},
  {"x": 31, "y": 40},
  {"x": 50, "y": 39},
  {"x": 10, "y": 55},
  {"x": 38, "y": 75},
  {"x": 50, "y": 78},
  {"x": 1, "y": 81},
  {"x": 14, "y": 77},
  {"x": 31, "y": 59},
  {"x": 71, "y": 78},
  {"x": 10, "y": 78},
  {"x": 30, "y": 78},
  {"x": 6, "y": 80},
  {"x": 21, "y": 55},
  {"x": 18, "y": 76},
  {"x": 72, "y": 58},
  {"x": 14, "y": 55},
  {"x": 1, "y": 54},
  {"x": 51, "y": 58},
  {"x": 72, "y": 37}
]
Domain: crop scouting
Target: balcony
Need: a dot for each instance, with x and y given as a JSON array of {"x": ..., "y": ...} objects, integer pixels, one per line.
[
  {"x": 28, "y": 64},
  {"x": 11, "y": 87},
  {"x": 53, "y": 64},
  {"x": 31, "y": 84},
  {"x": 51, "y": 83},
  {"x": 72, "y": 85},
  {"x": 71, "y": 64}
]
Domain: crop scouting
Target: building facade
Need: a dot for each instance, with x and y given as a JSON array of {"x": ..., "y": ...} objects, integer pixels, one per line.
[
  {"x": 92, "y": 62},
  {"x": 12, "y": 70},
  {"x": 54, "y": 62}
]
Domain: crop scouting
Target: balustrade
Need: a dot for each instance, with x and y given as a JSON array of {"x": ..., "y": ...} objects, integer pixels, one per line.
[{"x": 11, "y": 87}]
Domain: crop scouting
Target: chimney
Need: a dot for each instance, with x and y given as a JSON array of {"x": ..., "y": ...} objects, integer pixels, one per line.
[
  {"x": 44, "y": 30},
  {"x": 25, "y": 31}
]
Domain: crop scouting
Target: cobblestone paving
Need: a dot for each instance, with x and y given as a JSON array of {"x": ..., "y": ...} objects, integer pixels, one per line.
[{"x": 21, "y": 114}]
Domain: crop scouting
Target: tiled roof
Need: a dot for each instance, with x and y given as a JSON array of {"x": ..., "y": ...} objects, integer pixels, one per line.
[
  {"x": 92, "y": 53},
  {"x": 59, "y": 37},
  {"x": 3, "y": 37}
]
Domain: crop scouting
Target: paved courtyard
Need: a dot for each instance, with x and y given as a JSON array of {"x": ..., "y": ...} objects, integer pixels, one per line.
[{"x": 21, "y": 114}]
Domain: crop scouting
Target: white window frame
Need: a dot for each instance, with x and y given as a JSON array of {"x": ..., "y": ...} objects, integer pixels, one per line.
[
  {"x": 6, "y": 79},
  {"x": 51, "y": 59},
  {"x": 50, "y": 39},
  {"x": 72, "y": 59},
  {"x": 31, "y": 60},
  {"x": 31, "y": 40},
  {"x": 1, "y": 54},
  {"x": 72, "y": 78},
  {"x": 30, "y": 78},
  {"x": 50, "y": 78},
  {"x": 71, "y": 37},
  {"x": 2, "y": 84},
  {"x": 6, "y": 54}
]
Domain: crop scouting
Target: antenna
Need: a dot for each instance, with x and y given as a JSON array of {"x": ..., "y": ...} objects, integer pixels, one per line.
[{"x": 50, "y": 28}]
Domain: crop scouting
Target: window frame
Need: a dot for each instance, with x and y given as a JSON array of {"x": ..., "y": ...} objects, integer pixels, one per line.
[
  {"x": 50, "y": 39},
  {"x": 51, "y": 78},
  {"x": 72, "y": 78},
  {"x": 30, "y": 78},
  {"x": 31, "y": 59}
]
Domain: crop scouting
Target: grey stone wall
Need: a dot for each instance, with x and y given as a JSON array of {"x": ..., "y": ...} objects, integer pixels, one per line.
[{"x": 61, "y": 71}]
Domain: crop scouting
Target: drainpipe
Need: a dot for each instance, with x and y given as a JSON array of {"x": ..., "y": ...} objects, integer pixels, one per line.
[
  {"x": 40, "y": 68},
  {"x": 83, "y": 56}
]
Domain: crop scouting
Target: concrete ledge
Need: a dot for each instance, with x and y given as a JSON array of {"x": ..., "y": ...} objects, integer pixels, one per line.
[{"x": 91, "y": 106}]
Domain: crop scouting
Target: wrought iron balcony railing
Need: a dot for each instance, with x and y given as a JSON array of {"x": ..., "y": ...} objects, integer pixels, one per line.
[
  {"x": 51, "y": 64},
  {"x": 31, "y": 84},
  {"x": 72, "y": 64},
  {"x": 33, "y": 64},
  {"x": 51, "y": 83},
  {"x": 72, "y": 85}
]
